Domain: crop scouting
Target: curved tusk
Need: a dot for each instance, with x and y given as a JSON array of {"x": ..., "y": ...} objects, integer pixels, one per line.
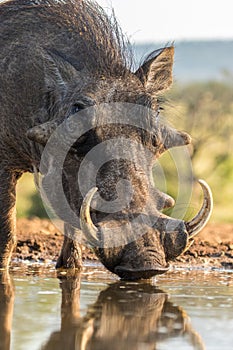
[
  {"x": 200, "y": 220},
  {"x": 88, "y": 228}
]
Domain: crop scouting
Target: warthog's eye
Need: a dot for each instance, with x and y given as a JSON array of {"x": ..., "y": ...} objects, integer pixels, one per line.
[
  {"x": 83, "y": 103},
  {"x": 77, "y": 107},
  {"x": 158, "y": 111}
]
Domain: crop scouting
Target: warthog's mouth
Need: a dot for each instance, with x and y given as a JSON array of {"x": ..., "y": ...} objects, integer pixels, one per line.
[
  {"x": 136, "y": 274},
  {"x": 149, "y": 254}
]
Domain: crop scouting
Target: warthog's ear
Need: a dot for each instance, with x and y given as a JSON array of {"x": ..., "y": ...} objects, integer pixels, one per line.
[
  {"x": 156, "y": 72},
  {"x": 59, "y": 71}
]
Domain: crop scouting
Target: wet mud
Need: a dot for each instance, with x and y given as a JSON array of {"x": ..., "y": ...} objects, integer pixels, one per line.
[{"x": 40, "y": 241}]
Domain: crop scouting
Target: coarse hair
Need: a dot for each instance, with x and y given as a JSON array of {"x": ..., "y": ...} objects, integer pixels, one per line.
[{"x": 94, "y": 37}]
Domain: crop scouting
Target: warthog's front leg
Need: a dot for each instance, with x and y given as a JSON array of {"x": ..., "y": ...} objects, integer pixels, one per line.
[
  {"x": 71, "y": 254},
  {"x": 8, "y": 180}
]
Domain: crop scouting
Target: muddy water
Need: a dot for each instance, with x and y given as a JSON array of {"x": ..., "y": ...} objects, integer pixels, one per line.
[{"x": 95, "y": 311}]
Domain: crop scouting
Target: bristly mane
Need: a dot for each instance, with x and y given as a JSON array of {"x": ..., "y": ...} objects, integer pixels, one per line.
[{"x": 84, "y": 30}]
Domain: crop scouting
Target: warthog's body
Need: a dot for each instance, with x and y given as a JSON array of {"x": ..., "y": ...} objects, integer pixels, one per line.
[{"x": 56, "y": 58}]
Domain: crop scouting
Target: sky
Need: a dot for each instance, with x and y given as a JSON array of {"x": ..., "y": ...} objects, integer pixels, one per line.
[{"x": 172, "y": 20}]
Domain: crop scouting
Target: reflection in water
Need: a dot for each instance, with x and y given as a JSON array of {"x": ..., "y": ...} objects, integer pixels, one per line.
[
  {"x": 6, "y": 309},
  {"x": 126, "y": 316}
]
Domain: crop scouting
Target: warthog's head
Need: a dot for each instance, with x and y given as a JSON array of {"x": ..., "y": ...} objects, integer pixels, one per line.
[{"x": 115, "y": 128}]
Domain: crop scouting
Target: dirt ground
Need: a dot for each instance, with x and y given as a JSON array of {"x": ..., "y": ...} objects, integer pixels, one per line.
[{"x": 40, "y": 241}]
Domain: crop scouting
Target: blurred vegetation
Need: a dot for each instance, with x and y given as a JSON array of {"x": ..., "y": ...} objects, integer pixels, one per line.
[
  {"x": 205, "y": 111},
  {"x": 28, "y": 200}
]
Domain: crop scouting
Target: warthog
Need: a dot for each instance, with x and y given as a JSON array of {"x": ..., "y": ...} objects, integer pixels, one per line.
[{"x": 57, "y": 59}]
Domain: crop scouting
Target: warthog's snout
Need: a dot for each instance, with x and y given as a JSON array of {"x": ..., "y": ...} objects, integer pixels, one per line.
[{"x": 150, "y": 252}]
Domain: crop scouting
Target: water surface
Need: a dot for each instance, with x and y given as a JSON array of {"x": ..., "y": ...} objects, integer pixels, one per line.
[{"x": 95, "y": 311}]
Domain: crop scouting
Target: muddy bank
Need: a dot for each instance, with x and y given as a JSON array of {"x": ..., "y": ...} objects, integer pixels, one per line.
[{"x": 39, "y": 240}]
